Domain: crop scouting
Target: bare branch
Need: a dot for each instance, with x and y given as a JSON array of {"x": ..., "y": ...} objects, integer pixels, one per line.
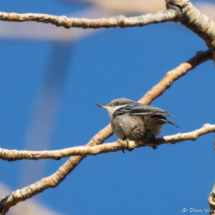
[
  {"x": 31, "y": 207},
  {"x": 53, "y": 180},
  {"x": 109, "y": 147},
  {"x": 200, "y": 24},
  {"x": 118, "y": 21},
  {"x": 193, "y": 19},
  {"x": 211, "y": 200},
  {"x": 207, "y": 8},
  {"x": 211, "y": 197},
  {"x": 104, "y": 8}
]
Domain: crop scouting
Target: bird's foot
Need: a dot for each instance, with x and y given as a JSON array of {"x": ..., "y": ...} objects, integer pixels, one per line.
[
  {"x": 128, "y": 146},
  {"x": 119, "y": 141},
  {"x": 127, "y": 141},
  {"x": 154, "y": 146}
]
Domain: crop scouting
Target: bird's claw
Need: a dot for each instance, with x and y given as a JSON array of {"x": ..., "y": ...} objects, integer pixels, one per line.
[
  {"x": 127, "y": 141},
  {"x": 154, "y": 147}
]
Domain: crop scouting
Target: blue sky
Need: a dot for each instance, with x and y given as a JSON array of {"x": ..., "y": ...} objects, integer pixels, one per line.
[{"x": 111, "y": 64}]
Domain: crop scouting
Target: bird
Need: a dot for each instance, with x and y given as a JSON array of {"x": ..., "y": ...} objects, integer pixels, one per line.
[{"x": 135, "y": 121}]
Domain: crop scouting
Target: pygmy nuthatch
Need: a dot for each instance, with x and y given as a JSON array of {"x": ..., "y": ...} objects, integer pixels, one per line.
[{"x": 135, "y": 121}]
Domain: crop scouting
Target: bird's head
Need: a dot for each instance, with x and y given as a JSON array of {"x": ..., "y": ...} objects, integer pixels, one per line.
[{"x": 115, "y": 105}]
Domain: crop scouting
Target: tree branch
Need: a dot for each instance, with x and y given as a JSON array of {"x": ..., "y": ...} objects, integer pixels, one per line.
[
  {"x": 199, "y": 23},
  {"x": 211, "y": 200},
  {"x": 109, "y": 147},
  {"x": 118, "y": 21}
]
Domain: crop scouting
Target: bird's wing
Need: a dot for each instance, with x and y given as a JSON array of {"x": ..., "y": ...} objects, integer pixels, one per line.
[
  {"x": 138, "y": 109},
  {"x": 162, "y": 120}
]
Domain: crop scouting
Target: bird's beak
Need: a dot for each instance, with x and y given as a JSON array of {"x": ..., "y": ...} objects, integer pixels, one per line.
[{"x": 102, "y": 106}]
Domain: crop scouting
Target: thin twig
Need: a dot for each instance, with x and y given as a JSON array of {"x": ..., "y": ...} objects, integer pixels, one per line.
[{"x": 118, "y": 21}]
